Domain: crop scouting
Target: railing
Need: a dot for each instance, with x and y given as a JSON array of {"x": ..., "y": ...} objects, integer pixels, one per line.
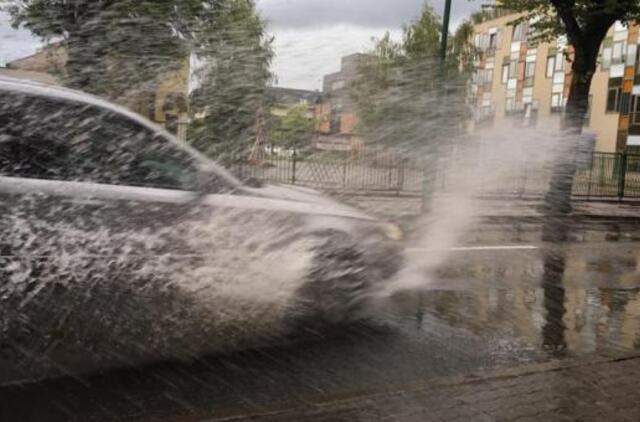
[
  {"x": 364, "y": 172},
  {"x": 609, "y": 176},
  {"x": 601, "y": 176}
]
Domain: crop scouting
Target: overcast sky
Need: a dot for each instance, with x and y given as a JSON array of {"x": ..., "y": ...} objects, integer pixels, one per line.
[
  {"x": 14, "y": 44},
  {"x": 310, "y": 35}
]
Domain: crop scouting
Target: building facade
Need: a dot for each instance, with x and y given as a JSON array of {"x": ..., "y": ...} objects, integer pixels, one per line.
[
  {"x": 519, "y": 83},
  {"x": 336, "y": 116},
  {"x": 284, "y": 99},
  {"x": 164, "y": 100}
]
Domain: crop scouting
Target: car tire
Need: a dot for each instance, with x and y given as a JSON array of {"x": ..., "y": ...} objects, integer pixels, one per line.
[{"x": 335, "y": 289}]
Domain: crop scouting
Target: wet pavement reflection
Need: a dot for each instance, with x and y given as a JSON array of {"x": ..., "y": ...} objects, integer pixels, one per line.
[
  {"x": 483, "y": 308},
  {"x": 573, "y": 299}
]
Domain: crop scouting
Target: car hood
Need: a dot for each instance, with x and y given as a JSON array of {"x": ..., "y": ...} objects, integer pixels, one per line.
[{"x": 321, "y": 203}]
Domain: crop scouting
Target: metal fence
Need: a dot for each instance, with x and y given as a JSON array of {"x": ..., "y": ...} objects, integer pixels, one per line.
[
  {"x": 364, "y": 172},
  {"x": 604, "y": 176},
  {"x": 609, "y": 176}
]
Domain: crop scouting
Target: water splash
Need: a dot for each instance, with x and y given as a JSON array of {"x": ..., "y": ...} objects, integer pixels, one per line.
[{"x": 472, "y": 168}]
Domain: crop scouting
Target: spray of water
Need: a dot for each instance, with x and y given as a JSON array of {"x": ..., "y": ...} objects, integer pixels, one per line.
[
  {"x": 79, "y": 298},
  {"x": 479, "y": 166}
]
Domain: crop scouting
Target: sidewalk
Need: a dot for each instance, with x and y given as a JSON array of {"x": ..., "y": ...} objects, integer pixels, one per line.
[
  {"x": 398, "y": 208},
  {"x": 595, "y": 389}
]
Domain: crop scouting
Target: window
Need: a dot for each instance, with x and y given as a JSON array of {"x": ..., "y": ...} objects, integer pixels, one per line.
[
  {"x": 513, "y": 69},
  {"x": 558, "y": 78},
  {"x": 488, "y": 76},
  {"x": 505, "y": 73},
  {"x": 520, "y": 31},
  {"x": 551, "y": 64},
  {"x": 493, "y": 40},
  {"x": 607, "y": 57},
  {"x": 559, "y": 62},
  {"x": 616, "y": 54},
  {"x": 529, "y": 72},
  {"x": 613, "y": 99},
  {"x": 51, "y": 139},
  {"x": 635, "y": 111},
  {"x": 529, "y": 69},
  {"x": 632, "y": 52}
]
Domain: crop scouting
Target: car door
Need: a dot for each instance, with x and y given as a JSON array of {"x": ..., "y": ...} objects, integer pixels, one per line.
[{"x": 95, "y": 210}]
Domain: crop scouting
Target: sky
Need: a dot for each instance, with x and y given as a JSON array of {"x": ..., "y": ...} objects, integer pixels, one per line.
[
  {"x": 310, "y": 36},
  {"x": 14, "y": 44}
]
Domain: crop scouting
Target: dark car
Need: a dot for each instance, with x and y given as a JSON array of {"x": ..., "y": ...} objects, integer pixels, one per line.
[{"x": 120, "y": 244}]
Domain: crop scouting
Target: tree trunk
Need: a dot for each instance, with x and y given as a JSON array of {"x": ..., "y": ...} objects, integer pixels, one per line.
[
  {"x": 553, "y": 331},
  {"x": 558, "y": 199}
]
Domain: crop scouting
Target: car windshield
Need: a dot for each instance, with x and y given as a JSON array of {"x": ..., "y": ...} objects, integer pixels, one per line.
[{"x": 348, "y": 210}]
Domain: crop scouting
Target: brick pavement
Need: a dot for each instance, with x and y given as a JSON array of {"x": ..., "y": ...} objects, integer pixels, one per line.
[{"x": 594, "y": 389}]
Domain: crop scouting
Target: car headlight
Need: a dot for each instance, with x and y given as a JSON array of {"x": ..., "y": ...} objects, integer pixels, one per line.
[{"x": 393, "y": 232}]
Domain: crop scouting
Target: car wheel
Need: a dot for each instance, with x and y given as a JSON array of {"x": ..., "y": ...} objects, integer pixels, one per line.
[{"x": 335, "y": 289}]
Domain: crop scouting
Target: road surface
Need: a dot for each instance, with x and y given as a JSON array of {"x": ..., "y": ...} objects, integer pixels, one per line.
[{"x": 486, "y": 308}]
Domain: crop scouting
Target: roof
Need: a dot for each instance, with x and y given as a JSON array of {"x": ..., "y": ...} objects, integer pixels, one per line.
[
  {"x": 28, "y": 75},
  {"x": 51, "y": 57},
  {"x": 293, "y": 96}
]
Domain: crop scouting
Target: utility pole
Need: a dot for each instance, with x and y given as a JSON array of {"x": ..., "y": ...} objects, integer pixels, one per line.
[
  {"x": 429, "y": 177},
  {"x": 445, "y": 32}
]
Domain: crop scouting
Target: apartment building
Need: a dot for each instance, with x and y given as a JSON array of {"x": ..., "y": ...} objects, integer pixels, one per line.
[{"x": 519, "y": 83}]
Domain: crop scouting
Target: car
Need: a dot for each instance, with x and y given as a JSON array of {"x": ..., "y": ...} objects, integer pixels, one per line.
[{"x": 122, "y": 245}]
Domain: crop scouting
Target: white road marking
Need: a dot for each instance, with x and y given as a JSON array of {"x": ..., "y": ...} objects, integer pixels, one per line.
[{"x": 478, "y": 248}]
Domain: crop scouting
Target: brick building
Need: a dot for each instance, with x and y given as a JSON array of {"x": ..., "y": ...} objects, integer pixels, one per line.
[{"x": 336, "y": 116}]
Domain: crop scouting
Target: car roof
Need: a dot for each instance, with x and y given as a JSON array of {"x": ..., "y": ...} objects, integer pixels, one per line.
[{"x": 60, "y": 93}]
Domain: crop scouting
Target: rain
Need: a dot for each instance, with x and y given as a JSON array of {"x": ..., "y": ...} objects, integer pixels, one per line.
[{"x": 231, "y": 210}]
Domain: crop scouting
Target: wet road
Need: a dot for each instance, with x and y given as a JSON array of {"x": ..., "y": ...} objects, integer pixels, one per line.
[{"x": 489, "y": 305}]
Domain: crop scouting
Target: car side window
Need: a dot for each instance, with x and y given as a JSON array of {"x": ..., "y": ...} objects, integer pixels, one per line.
[{"x": 52, "y": 139}]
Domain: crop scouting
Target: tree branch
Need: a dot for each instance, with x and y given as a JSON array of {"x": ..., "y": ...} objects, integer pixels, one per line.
[{"x": 565, "y": 11}]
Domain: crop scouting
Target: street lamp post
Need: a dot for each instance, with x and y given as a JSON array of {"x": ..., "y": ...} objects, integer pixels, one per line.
[
  {"x": 445, "y": 31},
  {"x": 429, "y": 179}
]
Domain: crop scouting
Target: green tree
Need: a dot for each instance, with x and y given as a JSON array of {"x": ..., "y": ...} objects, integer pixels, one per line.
[
  {"x": 113, "y": 46},
  {"x": 585, "y": 24},
  {"x": 235, "y": 55},
  {"x": 293, "y": 130},
  {"x": 399, "y": 90},
  {"x": 117, "y": 47}
]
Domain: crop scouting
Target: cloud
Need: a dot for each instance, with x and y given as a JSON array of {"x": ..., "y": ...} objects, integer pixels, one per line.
[
  {"x": 15, "y": 44},
  {"x": 312, "y": 35},
  {"x": 305, "y": 55},
  {"x": 385, "y": 14}
]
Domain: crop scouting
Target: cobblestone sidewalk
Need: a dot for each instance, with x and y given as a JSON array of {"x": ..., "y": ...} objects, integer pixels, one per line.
[{"x": 597, "y": 389}]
